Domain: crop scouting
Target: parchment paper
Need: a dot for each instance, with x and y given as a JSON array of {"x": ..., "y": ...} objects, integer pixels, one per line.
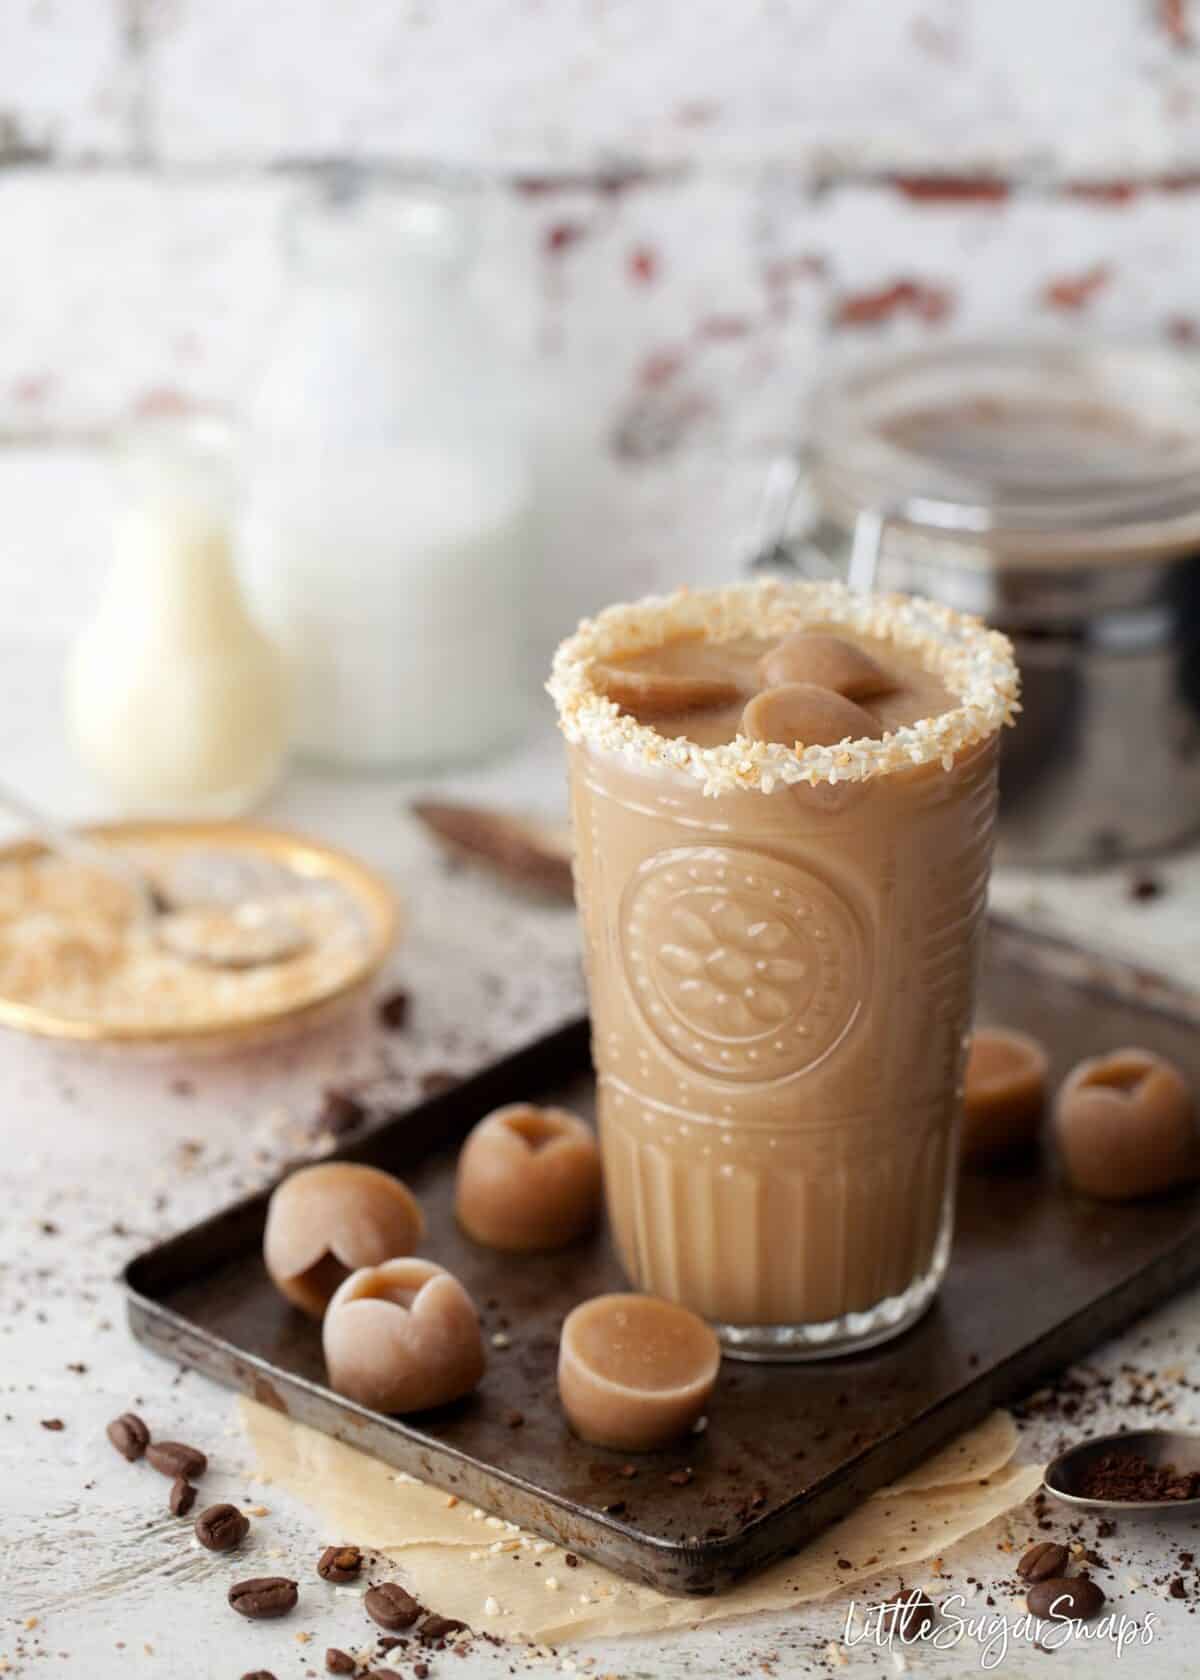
[{"x": 490, "y": 1575}]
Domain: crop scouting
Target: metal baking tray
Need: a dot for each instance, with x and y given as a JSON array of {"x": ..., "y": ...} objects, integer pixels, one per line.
[{"x": 1038, "y": 1276}]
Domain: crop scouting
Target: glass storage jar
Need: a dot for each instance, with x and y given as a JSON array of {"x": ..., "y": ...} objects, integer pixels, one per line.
[
  {"x": 390, "y": 537},
  {"x": 1055, "y": 491}
]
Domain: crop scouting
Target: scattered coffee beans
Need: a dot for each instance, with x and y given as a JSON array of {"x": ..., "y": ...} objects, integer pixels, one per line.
[
  {"x": 221, "y": 1528},
  {"x": 173, "y": 1458},
  {"x": 340, "y": 1564},
  {"x": 391, "y": 1607},
  {"x": 264, "y": 1597},
  {"x": 181, "y": 1497},
  {"x": 1076, "y": 1599},
  {"x": 129, "y": 1435},
  {"x": 1044, "y": 1562},
  {"x": 339, "y": 1662}
]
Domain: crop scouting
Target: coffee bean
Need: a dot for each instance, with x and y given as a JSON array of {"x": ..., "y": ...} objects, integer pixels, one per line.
[
  {"x": 221, "y": 1528},
  {"x": 173, "y": 1458},
  {"x": 259, "y": 1674},
  {"x": 129, "y": 1435},
  {"x": 391, "y": 1607},
  {"x": 181, "y": 1497},
  {"x": 909, "y": 1615},
  {"x": 339, "y": 1563},
  {"x": 420, "y": 1671},
  {"x": 264, "y": 1596},
  {"x": 339, "y": 1662},
  {"x": 1073, "y": 1599},
  {"x": 1043, "y": 1562},
  {"x": 54, "y": 1425},
  {"x": 435, "y": 1628}
]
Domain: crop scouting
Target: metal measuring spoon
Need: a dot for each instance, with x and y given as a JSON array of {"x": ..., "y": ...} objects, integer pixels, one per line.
[
  {"x": 1065, "y": 1474},
  {"x": 249, "y": 934}
]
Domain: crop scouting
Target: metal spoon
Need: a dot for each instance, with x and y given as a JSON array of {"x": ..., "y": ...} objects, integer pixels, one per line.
[
  {"x": 249, "y": 934},
  {"x": 1064, "y": 1474}
]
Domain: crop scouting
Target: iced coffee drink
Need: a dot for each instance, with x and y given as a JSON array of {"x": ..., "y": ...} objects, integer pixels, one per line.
[{"x": 783, "y": 800}]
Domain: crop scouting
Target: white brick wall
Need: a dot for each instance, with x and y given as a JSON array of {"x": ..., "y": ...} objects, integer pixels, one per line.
[
  {"x": 675, "y": 324},
  {"x": 1091, "y": 85}
]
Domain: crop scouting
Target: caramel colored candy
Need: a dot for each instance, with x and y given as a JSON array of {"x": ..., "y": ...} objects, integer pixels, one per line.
[
  {"x": 403, "y": 1337},
  {"x": 810, "y": 657},
  {"x": 324, "y": 1222},
  {"x": 1004, "y": 1094},
  {"x": 528, "y": 1179},
  {"x": 650, "y": 693},
  {"x": 803, "y": 714},
  {"x": 635, "y": 1372},
  {"x": 1125, "y": 1125}
]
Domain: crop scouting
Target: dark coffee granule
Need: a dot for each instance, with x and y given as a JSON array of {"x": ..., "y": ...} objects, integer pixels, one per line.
[
  {"x": 514, "y": 1419},
  {"x": 1177, "y": 1588},
  {"x": 571, "y": 1561},
  {"x": 435, "y": 1630},
  {"x": 53, "y": 1425},
  {"x": 341, "y": 1113},
  {"x": 339, "y": 1662},
  {"x": 393, "y": 1011},
  {"x": 1126, "y": 1475},
  {"x": 1143, "y": 888}
]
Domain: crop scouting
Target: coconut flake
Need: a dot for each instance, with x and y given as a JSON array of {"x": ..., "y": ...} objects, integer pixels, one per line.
[{"x": 975, "y": 664}]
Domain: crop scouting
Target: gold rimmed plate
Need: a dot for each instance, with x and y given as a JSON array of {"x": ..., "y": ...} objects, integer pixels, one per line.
[{"x": 304, "y": 996}]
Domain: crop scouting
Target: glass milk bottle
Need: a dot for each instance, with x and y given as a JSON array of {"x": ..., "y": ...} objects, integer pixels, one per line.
[
  {"x": 390, "y": 538},
  {"x": 175, "y": 698}
]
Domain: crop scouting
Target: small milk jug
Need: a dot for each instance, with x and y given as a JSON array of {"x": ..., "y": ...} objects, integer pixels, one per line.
[{"x": 175, "y": 698}]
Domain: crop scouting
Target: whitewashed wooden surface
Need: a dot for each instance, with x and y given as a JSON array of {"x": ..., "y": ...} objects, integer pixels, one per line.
[{"x": 100, "y": 1156}]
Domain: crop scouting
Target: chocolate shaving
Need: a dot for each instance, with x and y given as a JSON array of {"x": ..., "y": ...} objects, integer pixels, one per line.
[{"x": 535, "y": 854}]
